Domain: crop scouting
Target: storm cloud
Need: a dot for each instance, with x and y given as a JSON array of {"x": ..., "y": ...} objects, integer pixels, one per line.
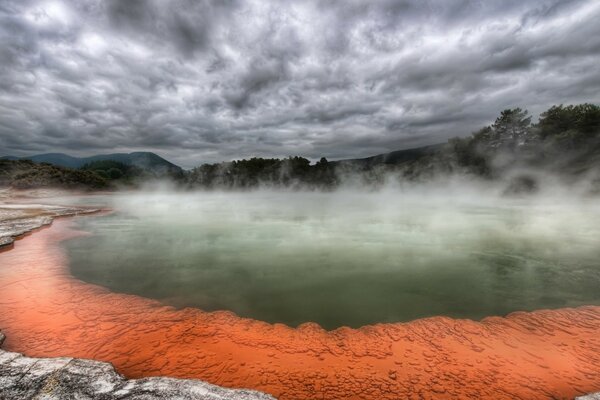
[{"x": 213, "y": 80}]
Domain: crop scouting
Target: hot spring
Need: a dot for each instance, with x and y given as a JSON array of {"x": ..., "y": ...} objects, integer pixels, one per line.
[{"x": 345, "y": 258}]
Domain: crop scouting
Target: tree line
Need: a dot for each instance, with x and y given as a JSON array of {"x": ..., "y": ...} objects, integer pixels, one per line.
[{"x": 561, "y": 132}]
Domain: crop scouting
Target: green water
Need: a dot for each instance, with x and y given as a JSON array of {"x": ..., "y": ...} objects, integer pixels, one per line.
[{"x": 344, "y": 258}]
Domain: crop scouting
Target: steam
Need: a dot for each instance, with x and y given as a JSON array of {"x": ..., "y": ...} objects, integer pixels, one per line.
[{"x": 455, "y": 247}]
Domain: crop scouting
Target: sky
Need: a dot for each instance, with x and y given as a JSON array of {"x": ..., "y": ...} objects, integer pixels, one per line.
[{"x": 201, "y": 81}]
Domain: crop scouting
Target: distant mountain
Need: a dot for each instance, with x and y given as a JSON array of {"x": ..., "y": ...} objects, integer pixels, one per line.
[
  {"x": 146, "y": 161},
  {"x": 392, "y": 158}
]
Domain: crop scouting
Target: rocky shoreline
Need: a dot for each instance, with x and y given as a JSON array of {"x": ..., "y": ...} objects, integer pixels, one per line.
[
  {"x": 23, "y": 378},
  {"x": 19, "y": 219}
]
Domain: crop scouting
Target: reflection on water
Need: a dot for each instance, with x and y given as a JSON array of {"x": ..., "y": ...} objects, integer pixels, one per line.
[{"x": 344, "y": 258}]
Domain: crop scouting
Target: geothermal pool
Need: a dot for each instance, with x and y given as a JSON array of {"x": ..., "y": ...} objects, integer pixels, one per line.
[{"x": 344, "y": 258}]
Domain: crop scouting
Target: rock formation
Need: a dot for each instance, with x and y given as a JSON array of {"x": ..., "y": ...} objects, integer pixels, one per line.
[
  {"x": 23, "y": 378},
  {"x": 17, "y": 220}
]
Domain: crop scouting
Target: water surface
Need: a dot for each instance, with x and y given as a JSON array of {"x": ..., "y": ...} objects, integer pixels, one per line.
[{"x": 344, "y": 258}]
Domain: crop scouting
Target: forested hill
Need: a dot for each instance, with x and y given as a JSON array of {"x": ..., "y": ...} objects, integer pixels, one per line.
[
  {"x": 148, "y": 162},
  {"x": 564, "y": 142},
  {"x": 25, "y": 174}
]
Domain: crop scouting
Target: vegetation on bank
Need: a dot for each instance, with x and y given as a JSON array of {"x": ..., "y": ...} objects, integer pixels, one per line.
[
  {"x": 256, "y": 171},
  {"x": 565, "y": 141},
  {"x": 564, "y": 144},
  {"x": 114, "y": 171},
  {"x": 561, "y": 134},
  {"x": 25, "y": 174},
  {"x": 94, "y": 175}
]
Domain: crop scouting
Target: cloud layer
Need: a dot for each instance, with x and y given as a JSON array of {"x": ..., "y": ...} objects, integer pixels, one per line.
[{"x": 212, "y": 80}]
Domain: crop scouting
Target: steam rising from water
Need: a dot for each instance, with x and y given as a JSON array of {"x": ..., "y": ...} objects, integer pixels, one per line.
[{"x": 347, "y": 257}]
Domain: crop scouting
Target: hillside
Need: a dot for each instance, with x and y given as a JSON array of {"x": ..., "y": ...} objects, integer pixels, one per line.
[
  {"x": 392, "y": 158},
  {"x": 147, "y": 161},
  {"x": 25, "y": 174}
]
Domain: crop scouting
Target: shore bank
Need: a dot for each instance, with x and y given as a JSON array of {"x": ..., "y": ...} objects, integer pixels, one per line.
[
  {"x": 47, "y": 313},
  {"x": 22, "y": 213}
]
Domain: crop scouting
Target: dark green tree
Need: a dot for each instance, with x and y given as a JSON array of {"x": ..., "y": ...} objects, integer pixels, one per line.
[
  {"x": 322, "y": 162},
  {"x": 114, "y": 173},
  {"x": 512, "y": 127},
  {"x": 581, "y": 120}
]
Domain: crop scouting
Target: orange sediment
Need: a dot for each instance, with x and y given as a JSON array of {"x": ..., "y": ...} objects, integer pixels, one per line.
[{"x": 44, "y": 311}]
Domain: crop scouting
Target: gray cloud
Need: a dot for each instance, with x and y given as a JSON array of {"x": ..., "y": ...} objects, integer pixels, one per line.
[{"x": 212, "y": 80}]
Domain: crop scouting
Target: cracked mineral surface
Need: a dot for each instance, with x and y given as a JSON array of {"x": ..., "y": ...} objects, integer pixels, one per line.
[{"x": 19, "y": 219}]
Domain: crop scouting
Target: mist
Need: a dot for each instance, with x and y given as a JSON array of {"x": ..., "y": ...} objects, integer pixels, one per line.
[{"x": 348, "y": 257}]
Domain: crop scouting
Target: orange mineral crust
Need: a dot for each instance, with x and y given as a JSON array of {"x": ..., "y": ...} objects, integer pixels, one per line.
[{"x": 538, "y": 355}]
